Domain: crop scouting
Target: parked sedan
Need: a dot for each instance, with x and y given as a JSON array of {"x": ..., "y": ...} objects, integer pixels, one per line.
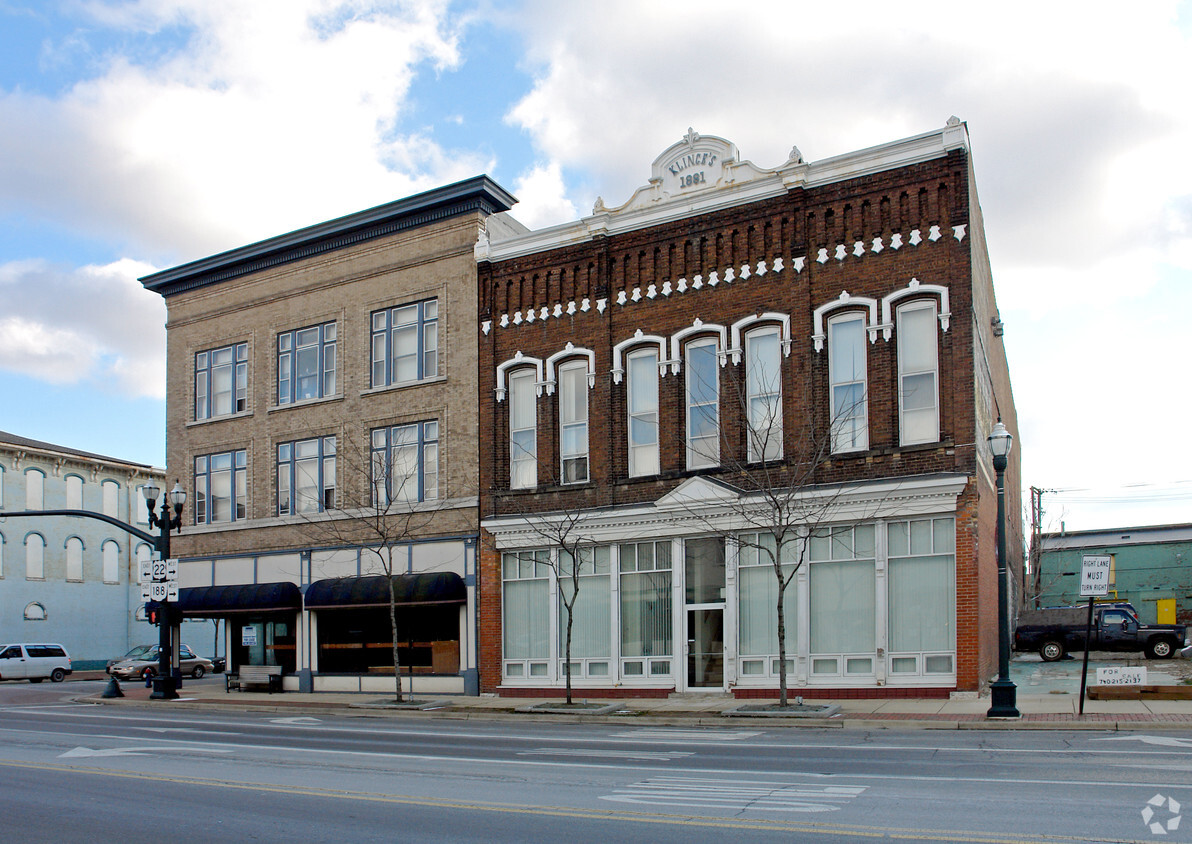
[{"x": 142, "y": 662}]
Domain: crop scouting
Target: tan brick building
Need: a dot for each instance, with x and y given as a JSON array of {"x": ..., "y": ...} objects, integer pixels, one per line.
[
  {"x": 322, "y": 390},
  {"x": 738, "y": 360}
]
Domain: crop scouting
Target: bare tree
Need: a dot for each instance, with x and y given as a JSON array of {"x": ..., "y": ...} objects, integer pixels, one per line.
[
  {"x": 386, "y": 501},
  {"x": 783, "y": 500}
]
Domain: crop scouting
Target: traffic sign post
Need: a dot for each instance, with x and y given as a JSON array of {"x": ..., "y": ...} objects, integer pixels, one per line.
[{"x": 1094, "y": 583}]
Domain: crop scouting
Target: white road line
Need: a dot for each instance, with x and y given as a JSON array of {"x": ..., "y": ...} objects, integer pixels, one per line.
[
  {"x": 643, "y": 755},
  {"x": 698, "y": 736},
  {"x": 736, "y": 795}
]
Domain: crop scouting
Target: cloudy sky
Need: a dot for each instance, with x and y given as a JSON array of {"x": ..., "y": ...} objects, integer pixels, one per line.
[{"x": 139, "y": 134}]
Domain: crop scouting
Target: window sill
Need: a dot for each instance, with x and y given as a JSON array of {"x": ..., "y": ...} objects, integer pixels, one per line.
[
  {"x": 213, "y": 419},
  {"x": 305, "y": 403},
  {"x": 404, "y": 385}
]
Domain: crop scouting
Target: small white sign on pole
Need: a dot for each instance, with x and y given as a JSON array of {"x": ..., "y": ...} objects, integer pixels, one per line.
[
  {"x": 1094, "y": 575},
  {"x": 171, "y": 590},
  {"x": 144, "y": 591},
  {"x": 172, "y": 569},
  {"x": 157, "y": 591},
  {"x": 146, "y": 571},
  {"x": 1120, "y": 675}
]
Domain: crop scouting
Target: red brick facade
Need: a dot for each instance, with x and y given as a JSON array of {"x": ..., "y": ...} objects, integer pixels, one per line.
[{"x": 864, "y": 237}]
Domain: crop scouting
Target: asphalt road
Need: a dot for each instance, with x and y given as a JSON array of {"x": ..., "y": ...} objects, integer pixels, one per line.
[{"x": 74, "y": 772}]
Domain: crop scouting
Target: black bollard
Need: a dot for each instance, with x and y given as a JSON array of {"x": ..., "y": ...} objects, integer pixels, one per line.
[{"x": 113, "y": 689}]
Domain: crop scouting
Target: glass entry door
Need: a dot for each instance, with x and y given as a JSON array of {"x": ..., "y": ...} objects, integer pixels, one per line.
[
  {"x": 704, "y": 587},
  {"x": 705, "y": 647}
]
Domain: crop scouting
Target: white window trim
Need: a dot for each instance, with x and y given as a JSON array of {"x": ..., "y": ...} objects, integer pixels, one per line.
[
  {"x": 517, "y": 360},
  {"x": 742, "y": 327},
  {"x": 570, "y": 350},
  {"x": 587, "y": 452},
  {"x": 914, "y": 288},
  {"x": 678, "y": 341},
  {"x": 696, "y": 460},
  {"x": 533, "y": 427},
  {"x": 864, "y": 403},
  {"x": 784, "y": 344},
  {"x": 844, "y": 301},
  {"x": 918, "y": 305},
  {"x": 621, "y": 351},
  {"x": 629, "y": 420}
]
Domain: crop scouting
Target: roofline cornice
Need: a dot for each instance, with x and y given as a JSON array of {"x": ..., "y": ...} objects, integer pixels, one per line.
[
  {"x": 477, "y": 194},
  {"x": 774, "y": 183}
]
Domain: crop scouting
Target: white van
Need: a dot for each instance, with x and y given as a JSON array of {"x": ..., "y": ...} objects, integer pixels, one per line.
[{"x": 34, "y": 662}]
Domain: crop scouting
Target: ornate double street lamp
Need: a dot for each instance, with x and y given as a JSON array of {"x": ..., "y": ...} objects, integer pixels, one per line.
[
  {"x": 165, "y": 685},
  {"x": 1003, "y": 692}
]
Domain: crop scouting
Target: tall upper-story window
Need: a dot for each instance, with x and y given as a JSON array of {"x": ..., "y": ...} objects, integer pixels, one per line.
[
  {"x": 643, "y": 412},
  {"x": 74, "y": 559},
  {"x": 35, "y": 565},
  {"x": 221, "y": 487},
  {"x": 763, "y": 388},
  {"x": 74, "y": 492},
  {"x": 918, "y": 379},
  {"x": 306, "y": 363},
  {"x": 306, "y": 476},
  {"x": 35, "y": 485},
  {"x": 846, "y": 364},
  {"x": 405, "y": 343},
  {"x": 221, "y": 381},
  {"x": 405, "y": 463},
  {"x": 573, "y": 421},
  {"x": 703, "y": 405},
  {"x": 523, "y": 430},
  {"x": 111, "y": 498},
  {"x": 111, "y": 562}
]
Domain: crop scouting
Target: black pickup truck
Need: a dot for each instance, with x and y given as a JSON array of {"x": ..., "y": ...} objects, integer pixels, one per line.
[{"x": 1055, "y": 631}]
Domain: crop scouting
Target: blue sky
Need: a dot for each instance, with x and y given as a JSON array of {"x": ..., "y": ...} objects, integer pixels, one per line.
[{"x": 139, "y": 134}]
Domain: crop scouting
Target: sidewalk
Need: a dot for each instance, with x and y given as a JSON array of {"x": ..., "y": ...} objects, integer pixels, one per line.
[{"x": 1038, "y": 711}]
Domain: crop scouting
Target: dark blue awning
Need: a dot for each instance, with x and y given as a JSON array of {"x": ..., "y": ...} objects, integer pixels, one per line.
[
  {"x": 216, "y": 601},
  {"x": 371, "y": 591}
]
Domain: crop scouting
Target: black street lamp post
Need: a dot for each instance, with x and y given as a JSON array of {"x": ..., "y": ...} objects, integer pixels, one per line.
[
  {"x": 1003, "y": 692},
  {"x": 165, "y": 685}
]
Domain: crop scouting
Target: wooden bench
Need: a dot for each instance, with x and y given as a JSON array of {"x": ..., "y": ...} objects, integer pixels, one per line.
[{"x": 254, "y": 675}]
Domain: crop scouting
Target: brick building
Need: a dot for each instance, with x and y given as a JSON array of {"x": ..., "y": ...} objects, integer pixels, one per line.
[
  {"x": 738, "y": 359},
  {"x": 321, "y": 409}
]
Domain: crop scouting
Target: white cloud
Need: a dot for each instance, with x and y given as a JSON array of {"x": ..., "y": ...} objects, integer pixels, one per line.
[
  {"x": 275, "y": 114},
  {"x": 93, "y": 324},
  {"x": 542, "y": 197},
  {"x": 1079, "y": 129}
]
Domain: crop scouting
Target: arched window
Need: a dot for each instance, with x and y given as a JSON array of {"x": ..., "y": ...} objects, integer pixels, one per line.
[
  {"x": 918, "y": 368},
  {"x": 35, "y": 561},
  {"x": 703, "y": 404},
  {"x": 74, "y": 559},
  {"x": 35, "y": 611},
  {"x": 523, "y": 429},
  {"x": 763, "y": 384},
  {"x": 74, "y": 492},
  {"x": 111, "y": 499},
  {"x": 35, "y": 481},
  {"x": 847, "y": 377},
  {"x": 573, "y": 421},
  {"x": 642, "y": 365},
  {"x": 111, "y": 561}
]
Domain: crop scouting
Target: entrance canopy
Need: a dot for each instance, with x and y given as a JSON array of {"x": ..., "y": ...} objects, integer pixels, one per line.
[
  {"x": 372, "y": 591},
  {"x": 220, "y": 601}
]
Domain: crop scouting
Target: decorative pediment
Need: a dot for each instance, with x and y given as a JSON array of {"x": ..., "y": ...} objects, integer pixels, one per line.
[{"x": 697, "y": 493}]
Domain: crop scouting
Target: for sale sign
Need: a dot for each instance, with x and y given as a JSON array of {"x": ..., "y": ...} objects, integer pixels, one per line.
[
  {"x": 1122, "y": 676},
  {"x": 1094, "y": 575}
]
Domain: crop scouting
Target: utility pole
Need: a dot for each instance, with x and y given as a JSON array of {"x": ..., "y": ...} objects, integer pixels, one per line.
[{"x": 1036, "y": 538}]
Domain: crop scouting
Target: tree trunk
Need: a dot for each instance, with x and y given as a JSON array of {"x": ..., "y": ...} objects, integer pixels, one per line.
[
  {"x": 782, "y": 698},
  {"x": 393, "y": 634}
]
